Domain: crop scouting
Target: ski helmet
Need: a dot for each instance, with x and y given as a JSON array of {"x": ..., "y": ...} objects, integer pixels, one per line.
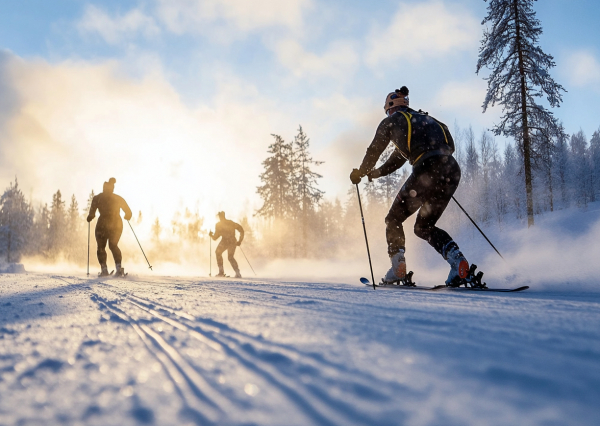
[{"x": 398, "y": 97}]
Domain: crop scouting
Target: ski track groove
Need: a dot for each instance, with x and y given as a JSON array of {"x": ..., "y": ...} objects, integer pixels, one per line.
[
  {"x": 201, "y": 401},
  {"x": 319, "y": 408},
  {"x": 276, "y": 348}
]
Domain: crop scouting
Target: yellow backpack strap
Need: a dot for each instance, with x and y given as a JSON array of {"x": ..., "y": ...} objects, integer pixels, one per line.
[
  {"x": 443, "y": 131},
  {"x": 406, "y": 115}
]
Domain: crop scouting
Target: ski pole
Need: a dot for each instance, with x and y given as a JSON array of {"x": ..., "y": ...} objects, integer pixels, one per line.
[
  {"x": 138, "y": 241},
  {"x": 210, "y": 255},
  {"x": 479, "y": 229},
  {"x": 247, "y": 260},
  {"x": 88, "y": 266},
  {"x": 366, "y": 240}
]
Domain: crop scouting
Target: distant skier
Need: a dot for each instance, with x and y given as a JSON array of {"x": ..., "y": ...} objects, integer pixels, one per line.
[
  {"x": 226, "y": 228},
  {"x": 428, "y": 146},
  {"x": 109, "y": 226}
]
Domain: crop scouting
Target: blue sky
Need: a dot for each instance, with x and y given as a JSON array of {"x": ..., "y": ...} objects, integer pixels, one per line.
[{"x": 97, "y": 81}]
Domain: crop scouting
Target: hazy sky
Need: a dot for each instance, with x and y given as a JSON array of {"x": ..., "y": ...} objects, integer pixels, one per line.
[{"x": 177, "y": 98}]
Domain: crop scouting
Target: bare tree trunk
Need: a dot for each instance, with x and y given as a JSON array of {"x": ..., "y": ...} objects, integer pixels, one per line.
[{"x": 526, "y": 139}]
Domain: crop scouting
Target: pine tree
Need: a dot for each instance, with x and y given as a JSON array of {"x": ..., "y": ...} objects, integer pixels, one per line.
[
  {"x": 277, "y": 181},
  {"x": 16, "y": 221},
  {"x": 487, "y": 149},
  {"x": 304, "y": 180},
  {"x": 514, "y": 190},
  {"x": 57, "y": 225},
  {"x": 595, "y": 164},
  {"x": 580, "y": 167},
  {"x": 280, "y": 201},
  {"x": 519, "y": 75},
  {"x": 471, "y": 172}
]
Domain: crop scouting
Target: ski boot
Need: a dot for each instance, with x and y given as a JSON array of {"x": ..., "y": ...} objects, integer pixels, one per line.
[
  {"x": 104, "y": 271},
  {"x": 459, "y": 267},
  {"x": 460, "y": 272},
  {"x": 397, "y": 273},
  {"x": 120, "y": 271},
  {"x": 237, "y": 274}
]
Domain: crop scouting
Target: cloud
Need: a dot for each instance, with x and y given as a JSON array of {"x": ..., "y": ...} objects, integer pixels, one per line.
[
  {"x": 584, "y": 69},
  {"x": 462, "y": 94},
  {"x": 340, "y": 59},
  {"x": 75, "y": 124},
  {"x": 423, "y": 30},
  {"x": 115, "y": 29},
  {"x": 192, "y": 16}
]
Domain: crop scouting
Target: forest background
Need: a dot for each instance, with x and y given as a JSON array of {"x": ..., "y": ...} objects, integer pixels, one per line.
[{"x": 298, "y": 221}]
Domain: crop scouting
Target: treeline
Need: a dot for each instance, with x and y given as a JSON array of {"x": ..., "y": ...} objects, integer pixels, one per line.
[
  {"x": 295, "y": 220},
  {"x": 50, "y": 231},
  {"x": 566, "y": 172}
]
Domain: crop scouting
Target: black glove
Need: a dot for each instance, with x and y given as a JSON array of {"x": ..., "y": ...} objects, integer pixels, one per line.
[
  {"x": 355, "y": 176},
  {"x": 210, "y": 234},
  {"x": 374, "y": 174},
  {"x": 239, "y": 243},
  {"x": 90, "y": 218}
]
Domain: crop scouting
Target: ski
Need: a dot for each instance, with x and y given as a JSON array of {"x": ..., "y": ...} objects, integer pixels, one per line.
[
  {"x": 485, "y": 289},
  {"x": 365, "y": 281}
]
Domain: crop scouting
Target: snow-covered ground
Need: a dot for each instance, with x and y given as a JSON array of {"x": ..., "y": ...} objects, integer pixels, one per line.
[
  {"x": 173, "y": 351},
  {"x": 179, "y": 350}
]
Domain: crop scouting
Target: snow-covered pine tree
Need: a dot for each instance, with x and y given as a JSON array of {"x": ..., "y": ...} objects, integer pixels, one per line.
[
  {"x": 486, "y": 150},
  {"x": 471, "y": 169},
  {"x": 595, "y": 163},
  {"x": 470, "y": 174},
  {"x": 580, "y": 169},
  {"x": 545, "y": 147},
  {"x": 514, "y": 189},
  {"x": 16, "y": 220},
  {"x": 519, "y": 75}
]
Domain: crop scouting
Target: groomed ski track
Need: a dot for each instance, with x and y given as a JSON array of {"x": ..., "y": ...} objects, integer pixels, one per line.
[{"x": 195, "y": 351}]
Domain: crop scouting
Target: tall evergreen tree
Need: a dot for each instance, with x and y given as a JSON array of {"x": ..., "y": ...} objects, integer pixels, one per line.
[
  {"x": 16, "y": 221},
  {"x": 276, "y": 190},
  {"x": 580, "y": 168},
  {"x": 519, "y": 75},
  {"x": 304, "y": 181},
  {"x": 595, "y": 164}
]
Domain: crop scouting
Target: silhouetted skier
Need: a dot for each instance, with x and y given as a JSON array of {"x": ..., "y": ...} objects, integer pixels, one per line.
[
  {"x": 428, "y": 146},
  {"x": 225, "y": 229},
  {"x": 109, "y": 226}
]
